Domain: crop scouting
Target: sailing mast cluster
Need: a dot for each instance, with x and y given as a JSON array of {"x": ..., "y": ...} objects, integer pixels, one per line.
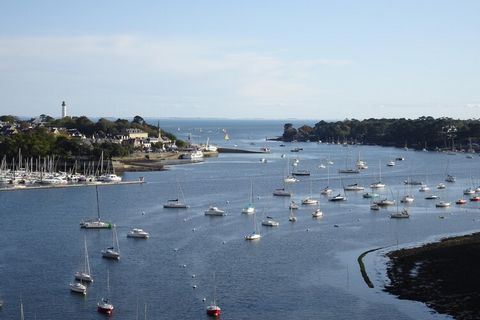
[{"x": 45, "y": 171}]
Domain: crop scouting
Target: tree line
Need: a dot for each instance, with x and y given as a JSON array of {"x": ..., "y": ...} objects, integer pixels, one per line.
[{"x": 423, "y": 132}]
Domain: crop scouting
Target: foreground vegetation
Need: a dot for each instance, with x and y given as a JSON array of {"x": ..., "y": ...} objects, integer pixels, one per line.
[{"x": 424, "y": 132}]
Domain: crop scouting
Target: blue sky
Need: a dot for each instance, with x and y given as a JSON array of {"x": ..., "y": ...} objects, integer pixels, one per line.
[{"x": 241, "y": 59}]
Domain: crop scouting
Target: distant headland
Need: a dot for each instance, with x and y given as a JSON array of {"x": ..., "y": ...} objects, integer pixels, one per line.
[{"x": 422, "y": 133}]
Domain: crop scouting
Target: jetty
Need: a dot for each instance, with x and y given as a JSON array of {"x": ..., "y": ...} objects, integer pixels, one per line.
[{"x": 238, "y": 150}]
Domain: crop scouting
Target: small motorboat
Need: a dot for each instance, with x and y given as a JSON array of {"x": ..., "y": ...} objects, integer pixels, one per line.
[
  {"x": 377, "y": 185},
  {"x": 424, "y": 188},
  {"x": 293, "y": 206},
  {"x": 290, "y": 179},
  {"x": 442, "y": 204},
  {"x": 326, "y": 191},
  {"x": 384, "y": 202},
  {"x": 375, "y": 207},
  {"x": 317, "y": 213},
  {"x": 391, "y": 163},
  {"x": 253, "y": 236},
  {"x": 461, "y": 201},
  {"x": 214, "y": 211},
  {"x": 475, "y": 198},
  {"x": 407, "y": 199},
  {"x": 78, "y": 287},
  {"x": 354, "y": 187},
  {"x": 309, "y": 201},
  {"x": 281, "y": 192},
  {"x": 338, "y": 197},
  {"x": 138, "y": 233},
  {"x": 270, "y": 222},
  {"x": 441, "y": 186},
  {"x": 469, "y": 191},
  {"x": 431, "y": 197}
]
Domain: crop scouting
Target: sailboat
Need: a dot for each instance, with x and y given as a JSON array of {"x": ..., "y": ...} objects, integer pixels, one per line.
[
  {"x": 308, "y": 201},
  {"x": 177, "y": 203},
  {"x": 327, "y": 190},
  {"x": 95, "y": 223},
  {"x": 104, "y": 305},
  {"x": 84, "y": 274},
  {"x": 292, "y": 217},
  {"x": 379, "y": 184},
  {"x": 249, "y": 208},
  {"x": 22, "y": 316},
  {"x": 213, "y": 309},
  {"x": 255, "y": 235},
  {"x": 112, "y": 252},
  {"x": 78, "y": 287}
]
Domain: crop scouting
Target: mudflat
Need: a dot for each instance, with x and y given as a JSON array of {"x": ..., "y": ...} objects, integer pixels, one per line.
[{"x": 444, "y": 275}]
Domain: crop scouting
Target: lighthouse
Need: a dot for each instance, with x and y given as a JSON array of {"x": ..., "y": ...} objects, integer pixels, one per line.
[{"x": 64, "y": 109}]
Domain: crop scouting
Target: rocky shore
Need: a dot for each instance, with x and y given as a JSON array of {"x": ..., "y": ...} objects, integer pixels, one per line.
[{"x": 444, "y": 275}]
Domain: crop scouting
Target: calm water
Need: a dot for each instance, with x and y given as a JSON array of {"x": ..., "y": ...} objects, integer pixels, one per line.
[{"x": 302, "y": 270}]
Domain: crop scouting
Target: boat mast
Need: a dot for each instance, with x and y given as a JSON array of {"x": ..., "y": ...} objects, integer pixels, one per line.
[{"x": 98, "y": 205}]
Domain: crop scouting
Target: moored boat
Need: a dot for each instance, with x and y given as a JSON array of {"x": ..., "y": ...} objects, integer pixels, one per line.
[{"x": 138, "y": 233}]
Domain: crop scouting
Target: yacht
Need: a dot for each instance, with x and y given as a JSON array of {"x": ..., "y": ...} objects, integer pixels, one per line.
[
  {"x": 317, "y": 213},
  {"x": 290, "y": 179},
  {"x": 441, "y": 186},
  {"x": 95, "y": 224},
  {"x": 293, "y": 205},
  {"x": 354, "y": 187},
  {"x": 424, "y": 188},
  {"x": 214, "y": 211},
  {"x": 281, "y": 192},
  {"x": 469, "y": 191},
  {"x": 385, "y": 202},
  {"x": 175, "y": 204},
  {"x": 78, "y": 287},
  {"x": 309, "y": 201},
  {"x": 442, "y": 204},
  {"x": 377, "y": 185},
  {"x": 112, "y": 177},
  {"x": 400, "y": 215},
  {"x": 138, "y": 233},
  {"x": 301, "y": 172},
  {"x": 326, "y": 191},
  {"x": 450, "y": 178},
  {"x": 338, "y": 197},
  {"x": 270, "y": 222},
  {"x": 407, "y": 199}
]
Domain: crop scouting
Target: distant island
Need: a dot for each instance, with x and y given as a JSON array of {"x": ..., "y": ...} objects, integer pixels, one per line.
[{"x": 421, "y": 133}]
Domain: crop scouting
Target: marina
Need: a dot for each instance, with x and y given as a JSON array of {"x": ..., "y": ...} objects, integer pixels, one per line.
[{"x": 175, "y": 265}]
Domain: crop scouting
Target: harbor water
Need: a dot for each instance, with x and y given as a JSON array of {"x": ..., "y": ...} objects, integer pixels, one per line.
[{"x": 306, "y": 269}]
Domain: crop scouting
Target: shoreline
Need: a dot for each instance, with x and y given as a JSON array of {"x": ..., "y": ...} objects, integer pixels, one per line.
[
  {"x": 142, "y": 162},
  {"x": 444, "y": 275}
]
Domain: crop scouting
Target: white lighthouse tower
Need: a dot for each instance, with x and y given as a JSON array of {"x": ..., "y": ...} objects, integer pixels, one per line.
[{"x": 64, "y": 109}]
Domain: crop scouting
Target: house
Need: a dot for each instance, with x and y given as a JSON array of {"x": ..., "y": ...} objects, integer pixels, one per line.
[{"x": 136, "y": 134}]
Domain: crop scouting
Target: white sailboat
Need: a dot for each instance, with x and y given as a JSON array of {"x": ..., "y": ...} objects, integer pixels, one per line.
[
  {"x": 292, "y": 217},
  {"x": 249, "y": 208},
  {"x": 84, "y": 275},
  {"x": 96, "y": 223},
  {"x": 112, "y": 252},
  {"x": 255, "y": 235},
  {"x": 379, "y": 184}
]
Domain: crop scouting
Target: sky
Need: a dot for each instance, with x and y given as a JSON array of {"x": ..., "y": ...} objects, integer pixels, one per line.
[{"x": 241, "y": 59}]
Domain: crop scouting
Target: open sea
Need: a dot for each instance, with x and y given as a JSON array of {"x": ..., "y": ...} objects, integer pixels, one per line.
[{"x": 302, "y": 270}]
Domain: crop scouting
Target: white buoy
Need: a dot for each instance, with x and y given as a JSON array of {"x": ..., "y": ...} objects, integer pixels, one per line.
[{"x": 194, "y": 286}]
